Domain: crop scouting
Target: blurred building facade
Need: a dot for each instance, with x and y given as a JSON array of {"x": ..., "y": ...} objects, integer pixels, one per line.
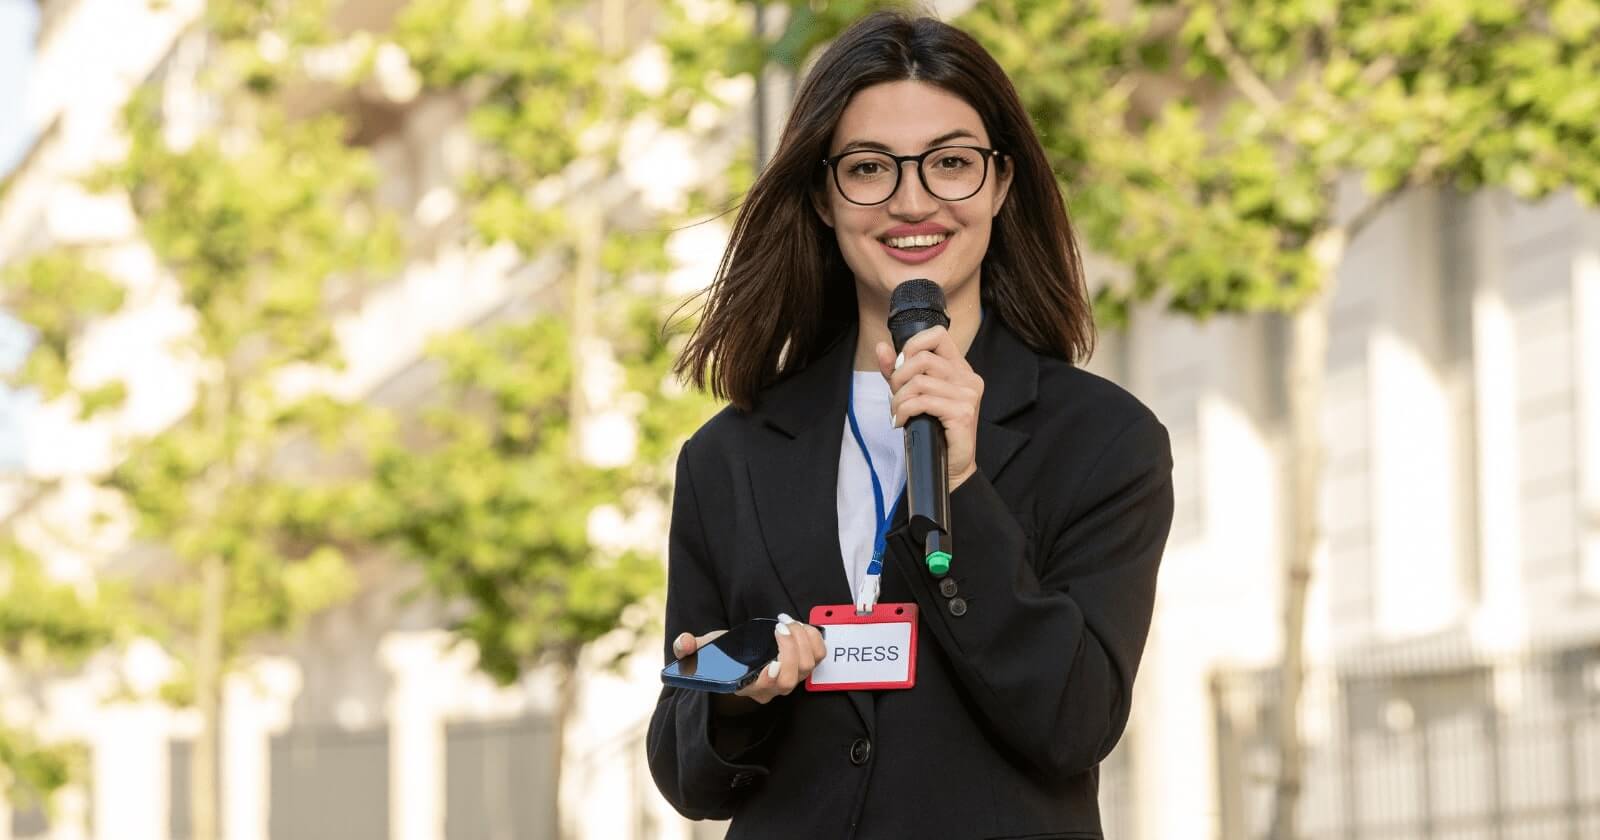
[
  {"x": 1453, "y": 638},
  {"x": 1458, "y": 683}
]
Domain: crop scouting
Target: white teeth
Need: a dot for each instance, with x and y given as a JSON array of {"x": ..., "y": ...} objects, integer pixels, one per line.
[{"x": 916, "y": 241}]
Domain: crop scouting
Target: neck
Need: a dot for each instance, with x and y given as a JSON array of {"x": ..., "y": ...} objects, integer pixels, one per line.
[{"x": 872, "y": 312}]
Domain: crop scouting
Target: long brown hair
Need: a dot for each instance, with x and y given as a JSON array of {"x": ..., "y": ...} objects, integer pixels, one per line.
[{"x": 783, "y": 292}]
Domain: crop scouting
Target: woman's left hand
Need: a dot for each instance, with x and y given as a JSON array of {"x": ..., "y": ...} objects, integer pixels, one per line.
[{"x": 936, "y": 380}]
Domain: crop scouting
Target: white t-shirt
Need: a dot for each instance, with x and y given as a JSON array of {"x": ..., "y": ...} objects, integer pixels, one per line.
[{"x": 854, "y": 495}]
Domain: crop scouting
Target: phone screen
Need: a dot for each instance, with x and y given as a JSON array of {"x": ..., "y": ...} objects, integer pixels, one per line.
[{"x": 726, "y": 660}]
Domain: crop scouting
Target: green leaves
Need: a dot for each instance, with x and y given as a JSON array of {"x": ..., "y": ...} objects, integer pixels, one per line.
[
  {"x": 487, "y": 488},
  {"x": 44, "y": 625},
  {"x": 1575, "y": 21},
  {"x": 255, "y": 234},
  {"x": 33, "y": 291},
  {"x": 535, "y": 78},
  {"x": 29, "y": 771},
  {"x": 42, "y": 621},
  {"x": 1199, "y": 143},
  {"x": 491, "y": 498}
]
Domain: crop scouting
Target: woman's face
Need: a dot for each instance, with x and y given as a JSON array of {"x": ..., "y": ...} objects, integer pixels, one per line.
[{"x": 915, "y": 233}]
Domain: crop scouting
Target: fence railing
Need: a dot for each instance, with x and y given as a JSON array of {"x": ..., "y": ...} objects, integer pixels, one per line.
[{"x": 1441, "y": 749}]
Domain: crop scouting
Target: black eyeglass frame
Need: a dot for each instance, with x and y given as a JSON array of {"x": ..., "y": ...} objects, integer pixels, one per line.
[{"x": 900, "y": 161}]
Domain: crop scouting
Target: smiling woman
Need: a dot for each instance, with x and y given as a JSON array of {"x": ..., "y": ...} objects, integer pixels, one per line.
[
  {"x": 807, "y": 262},
  {"x": 908, "y": 155}
]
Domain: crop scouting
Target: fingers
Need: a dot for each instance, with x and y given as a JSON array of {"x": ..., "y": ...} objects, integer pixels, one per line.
[
  {"x": 953, "y": 404},
  {"x": 790, "y": 653},
  {"x": 886, "y": 358},
  {"x": 704, "y": 639},
  {"x": 766, "y": 684},
  {"x": 808, "y": 643},
  {"x": 937, "y": 339},
  {"x": 936, "y": 342},
  {"x": 935, "y": 365},
  {"x": 928, "y": 364},
  {"x": 800, "y": 648},
  {"x": 687, "y": 643},
  {"x": 819, "y": 646}
]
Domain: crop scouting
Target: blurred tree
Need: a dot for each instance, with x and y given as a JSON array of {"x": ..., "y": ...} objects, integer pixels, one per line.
[
  {"x": 502, "y": 501},
  {"x": 44, "y": 625},
  {"x": 1203, "y": 146},
  {"x": 263, "y": 220}
]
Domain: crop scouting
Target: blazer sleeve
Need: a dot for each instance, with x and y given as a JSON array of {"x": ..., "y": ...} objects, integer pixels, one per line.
[
  {"x": 702, "y": 762},
  {"x": 1048, "y": 649}
]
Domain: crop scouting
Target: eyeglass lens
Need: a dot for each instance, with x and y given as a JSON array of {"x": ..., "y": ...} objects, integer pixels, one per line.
[{"x": 951, "y": 174}]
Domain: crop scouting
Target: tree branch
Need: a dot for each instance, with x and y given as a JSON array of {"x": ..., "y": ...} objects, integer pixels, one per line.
[
  {"x": 1368, "y": 213},
  {"x": 1427, "y": 167},
  {"x": 1378, "y": 71},
  {"x": 1238, "y": 69}
]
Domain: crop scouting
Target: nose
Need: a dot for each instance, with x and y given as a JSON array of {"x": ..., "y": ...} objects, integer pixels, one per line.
[{"x": 911, "y": 200}]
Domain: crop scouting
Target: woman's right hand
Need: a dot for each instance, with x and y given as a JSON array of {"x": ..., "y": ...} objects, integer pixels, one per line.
[{"x": 800, "y": 648}]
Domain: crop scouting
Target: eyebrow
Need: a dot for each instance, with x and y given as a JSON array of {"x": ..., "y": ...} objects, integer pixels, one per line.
[{"x": 876, "y": 146}]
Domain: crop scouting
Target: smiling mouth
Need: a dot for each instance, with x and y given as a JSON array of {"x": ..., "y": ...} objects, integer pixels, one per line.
[{"x": 915, "y": 243}]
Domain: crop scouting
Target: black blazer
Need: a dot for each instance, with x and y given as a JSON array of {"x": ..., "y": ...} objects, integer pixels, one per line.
[{"x": 1024, "y": 670}]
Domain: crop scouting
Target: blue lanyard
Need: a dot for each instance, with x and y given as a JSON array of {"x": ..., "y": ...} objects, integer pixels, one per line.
[{"x": 880, "y": 537}]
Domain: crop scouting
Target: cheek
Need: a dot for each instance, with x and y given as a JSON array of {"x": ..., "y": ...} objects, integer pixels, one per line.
[
  {"x": 854, "y": 227},
  {"x": 977, "y": 224}
]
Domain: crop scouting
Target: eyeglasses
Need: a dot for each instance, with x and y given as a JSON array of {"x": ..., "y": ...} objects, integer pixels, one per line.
[{"x": 949, "y": 173}]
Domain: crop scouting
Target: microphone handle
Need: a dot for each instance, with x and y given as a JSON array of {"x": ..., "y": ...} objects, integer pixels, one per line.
[
  {"x": 928, "y": 488},
  {"x": 927, "y": 464}
]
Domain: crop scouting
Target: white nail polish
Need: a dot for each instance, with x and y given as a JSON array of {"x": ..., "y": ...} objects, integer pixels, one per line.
[
  {"x": 772, "y": 670},
  {"x": 783, "y": 629},
  {"x": 783, "y": 618}
]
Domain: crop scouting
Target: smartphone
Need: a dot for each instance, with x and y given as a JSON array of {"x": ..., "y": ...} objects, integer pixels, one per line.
[{"x": 729, "y": 662}]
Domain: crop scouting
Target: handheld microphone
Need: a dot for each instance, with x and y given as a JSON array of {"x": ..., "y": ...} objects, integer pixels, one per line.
[{"x": 914, "y": 306}]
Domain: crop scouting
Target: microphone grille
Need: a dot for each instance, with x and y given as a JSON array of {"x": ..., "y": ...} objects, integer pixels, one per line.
[{"x": 916, "y": 294}]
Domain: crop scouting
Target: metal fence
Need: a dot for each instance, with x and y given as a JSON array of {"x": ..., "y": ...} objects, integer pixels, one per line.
[
  {"x": 1444, "y": 747},
  {"x": 500, "y": 780},
  {"x": 330, "y": 784}
]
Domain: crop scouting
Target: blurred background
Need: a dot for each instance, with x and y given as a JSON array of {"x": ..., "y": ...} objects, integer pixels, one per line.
[{"x": 338, "y": 427}]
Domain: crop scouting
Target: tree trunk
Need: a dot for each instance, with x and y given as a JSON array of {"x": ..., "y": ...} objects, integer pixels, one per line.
[
  {"x": 566, "y": 697},
  {"x": 203, "y": 776},
  {"x": 1308, "y": 355},
  {"x": 590, "y": 234}
]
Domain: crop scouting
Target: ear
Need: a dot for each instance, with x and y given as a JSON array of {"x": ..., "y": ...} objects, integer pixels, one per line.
[
  {"x": 819, "y": 201},
  {"x": 1003, "y": 182}
]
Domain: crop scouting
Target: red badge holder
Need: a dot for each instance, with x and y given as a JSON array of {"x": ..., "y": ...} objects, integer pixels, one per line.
[{"x": 845, "y": 615}]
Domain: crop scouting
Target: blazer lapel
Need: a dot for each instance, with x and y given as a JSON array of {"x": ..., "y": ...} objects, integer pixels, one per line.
[
  {"x": 794, "y": 478},
  {"x": 1010, "y": 372},
  {"x": 794, "y": 475}
]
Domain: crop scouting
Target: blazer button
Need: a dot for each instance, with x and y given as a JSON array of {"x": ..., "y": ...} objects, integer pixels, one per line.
[
  {"x": 947, "y": 587},
  {"x": 958, "y": 607},
  {"x": 742, "y": 779},
  {"x": 860, "y": 751}
]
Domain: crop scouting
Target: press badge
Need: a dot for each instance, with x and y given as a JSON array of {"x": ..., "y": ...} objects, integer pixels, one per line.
[{"x": 877, "y": 650}]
